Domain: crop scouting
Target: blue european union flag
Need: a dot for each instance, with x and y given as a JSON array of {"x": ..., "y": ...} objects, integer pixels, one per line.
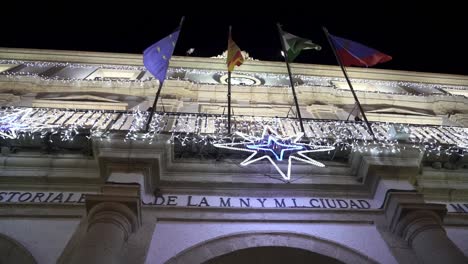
[{"x": 156, "y": 57}]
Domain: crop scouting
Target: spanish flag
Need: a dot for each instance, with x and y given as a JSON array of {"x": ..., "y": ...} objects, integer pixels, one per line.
[{"x": 234, "y": 55}]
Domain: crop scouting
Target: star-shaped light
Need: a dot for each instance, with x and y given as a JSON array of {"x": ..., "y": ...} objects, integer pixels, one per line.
[
  {"x": 274, "y": 146},
  {"x": 271, "y": 142}
]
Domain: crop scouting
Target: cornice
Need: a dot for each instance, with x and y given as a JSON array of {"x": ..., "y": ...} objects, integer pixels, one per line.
[
  {"x": 219, "y": 64},
  {"x": 358, "y": 178}
]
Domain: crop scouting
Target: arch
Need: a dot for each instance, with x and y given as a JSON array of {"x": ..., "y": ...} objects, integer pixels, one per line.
[
  {"x": 12, "y": 251},
  {"x": 272, "y": 255},
  {"x": 222, "y": 245}
]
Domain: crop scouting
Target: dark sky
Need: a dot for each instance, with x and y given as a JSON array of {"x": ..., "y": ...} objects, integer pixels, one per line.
[{"x": 429, "y": 39}]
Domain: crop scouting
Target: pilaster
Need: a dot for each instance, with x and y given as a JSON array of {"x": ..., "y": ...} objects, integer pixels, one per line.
[
  {"x": 112, "y": 217},
  {"x": 419, "y": 224}
]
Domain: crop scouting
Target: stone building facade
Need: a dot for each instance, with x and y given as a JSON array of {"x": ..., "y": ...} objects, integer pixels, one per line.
[{"x": 82, "y": 182}]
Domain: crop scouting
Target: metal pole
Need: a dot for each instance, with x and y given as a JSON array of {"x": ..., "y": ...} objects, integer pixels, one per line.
[
  {"x": 280, "y": 31},
  {"x": 154, "y": 106},
  {"x": 348, "y": 81},
  {"x": 229, "y": 102},
  {"x": 229, "y": 89}
]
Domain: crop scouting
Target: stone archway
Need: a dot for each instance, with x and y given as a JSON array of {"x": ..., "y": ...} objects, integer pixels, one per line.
[
  {"x": 13, "y": 252},
  {"x": 217, "y": 247},
  {"x": 272, "y": 255}
]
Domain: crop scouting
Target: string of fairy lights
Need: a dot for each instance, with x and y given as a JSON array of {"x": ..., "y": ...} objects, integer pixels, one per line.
[
  {"x": 184, "y": 129},
  {"x": 182, "y": 73}
]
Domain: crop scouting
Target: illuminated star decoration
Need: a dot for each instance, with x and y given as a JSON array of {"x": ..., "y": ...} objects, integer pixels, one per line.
[{"x": 277, "y": 146}]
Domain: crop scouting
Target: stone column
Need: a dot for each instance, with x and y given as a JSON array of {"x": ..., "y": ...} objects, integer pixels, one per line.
[
  {"x": 420, "y": 224},
  {"x": 112, "y": 217}
]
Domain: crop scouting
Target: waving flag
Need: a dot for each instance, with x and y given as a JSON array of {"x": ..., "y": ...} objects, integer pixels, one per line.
[
  {"x": 294, "y": 45},
  {"x": 156, "y": 57},
  {"x": 353, "y": 53},
  {"x": 234, "y": 55}
]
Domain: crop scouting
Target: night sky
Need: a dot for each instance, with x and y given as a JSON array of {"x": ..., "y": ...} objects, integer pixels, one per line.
[{"x": 428, "y": 40}]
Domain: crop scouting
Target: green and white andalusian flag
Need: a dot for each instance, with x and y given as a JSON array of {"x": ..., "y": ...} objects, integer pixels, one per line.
[{"x": 294, "y": 45}]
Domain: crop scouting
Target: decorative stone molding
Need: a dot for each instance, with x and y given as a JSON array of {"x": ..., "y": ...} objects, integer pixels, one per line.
[
  {"x": 371, "y": 167},
  {"x": 11, "y": 251},
  {"x": 112, "y": 216},
  {"x": 119, "y": 205},
  {"x": 137, "y": 156},
  {"x": 418, "y": 221},
  {"x": 161, "y": 169},
  {"x": 407, "y": 214},
  {"x": 113, "y": 213},
  {"x": 420, "y": 225},
  {"x": 210, "y": 249},
  {"x": 44, "y": 168},
  {"x": 8, "y": 98}
]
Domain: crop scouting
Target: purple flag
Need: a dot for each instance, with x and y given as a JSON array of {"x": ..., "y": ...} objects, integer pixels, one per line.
[{"x": 156, "y": 57}]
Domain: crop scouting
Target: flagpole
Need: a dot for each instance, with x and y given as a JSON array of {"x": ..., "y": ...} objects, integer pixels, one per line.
[
  {"x": 154, "y": 106},
  {"x": 348, "y": 81},
  {"x": 158, "y": 92},
  {"x": 229, "y": 90},
  {"x": 280, "y": 31}
]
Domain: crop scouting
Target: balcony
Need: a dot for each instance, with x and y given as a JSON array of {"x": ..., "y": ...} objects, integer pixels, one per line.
[{"x": 66, "y": 125}]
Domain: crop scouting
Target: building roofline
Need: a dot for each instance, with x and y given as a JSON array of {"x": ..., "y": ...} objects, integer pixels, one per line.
[{"x": 89, "y": 57}]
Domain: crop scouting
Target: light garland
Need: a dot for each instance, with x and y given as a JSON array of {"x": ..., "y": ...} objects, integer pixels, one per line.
[
  {"x": 198, "y": 129},
  {"x": 18, "y": 123},
  {"x": 174, "y": 74}
]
